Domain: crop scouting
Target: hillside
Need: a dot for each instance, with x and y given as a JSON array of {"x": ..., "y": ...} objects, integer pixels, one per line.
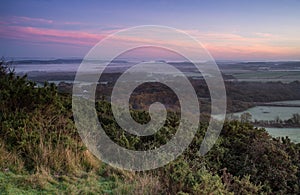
[{"x": 41, "y": 152}]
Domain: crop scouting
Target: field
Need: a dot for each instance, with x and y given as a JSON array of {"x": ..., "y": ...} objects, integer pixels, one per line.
[{"x": 266, "y": 76}]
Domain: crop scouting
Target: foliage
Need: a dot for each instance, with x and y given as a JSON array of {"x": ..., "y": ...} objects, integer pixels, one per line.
[
  {"x": 41, "y": 152},
  {"x": 251, "y": 151},
  {"x": 36, "y": 128}
]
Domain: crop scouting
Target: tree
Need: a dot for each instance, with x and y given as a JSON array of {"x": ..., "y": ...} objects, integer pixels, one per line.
[
  {"x": 246, "y": 117},
  {"x": 296, "y": 118}
]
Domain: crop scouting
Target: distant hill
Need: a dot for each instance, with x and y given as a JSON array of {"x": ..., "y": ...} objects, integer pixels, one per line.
[{"x": 61, "y": 61}]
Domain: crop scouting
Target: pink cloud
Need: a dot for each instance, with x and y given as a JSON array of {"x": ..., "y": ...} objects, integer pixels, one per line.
[
  {"x": 255, "y": 45},
  {"x": 50, "y": 35},
  {"x": 29, "y": 21},
  {"x": 268, "y": 35},
  {"x": 255, "y": 51},
  {"x": 16, "y": 20},
  {"x": 221, "y": 45},
  {"x": 27, "y": 29},
  {"x": 34, "y": 20},
  {"x": 232, "y": 37}
]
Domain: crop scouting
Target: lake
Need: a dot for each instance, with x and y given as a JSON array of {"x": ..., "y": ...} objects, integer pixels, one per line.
[
  {"x": 271, "y": 112},
  {"x": 292, "y": 133}
]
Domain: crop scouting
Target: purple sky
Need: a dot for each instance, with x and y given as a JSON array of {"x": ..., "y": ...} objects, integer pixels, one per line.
[{"x": 229, "y": 30}]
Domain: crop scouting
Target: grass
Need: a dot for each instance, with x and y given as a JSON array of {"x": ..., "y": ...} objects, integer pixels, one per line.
[
  {"x": 43, "y": 183},
  {"x": 84, "y": 183}
]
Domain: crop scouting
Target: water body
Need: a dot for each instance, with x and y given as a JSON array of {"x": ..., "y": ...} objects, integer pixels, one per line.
[
  {"x": 271, "y": 112},
  {"x": 292, "y": 133}
]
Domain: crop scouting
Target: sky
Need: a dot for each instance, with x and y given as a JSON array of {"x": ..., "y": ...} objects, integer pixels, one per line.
[{"x": 229, "y": 29}]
